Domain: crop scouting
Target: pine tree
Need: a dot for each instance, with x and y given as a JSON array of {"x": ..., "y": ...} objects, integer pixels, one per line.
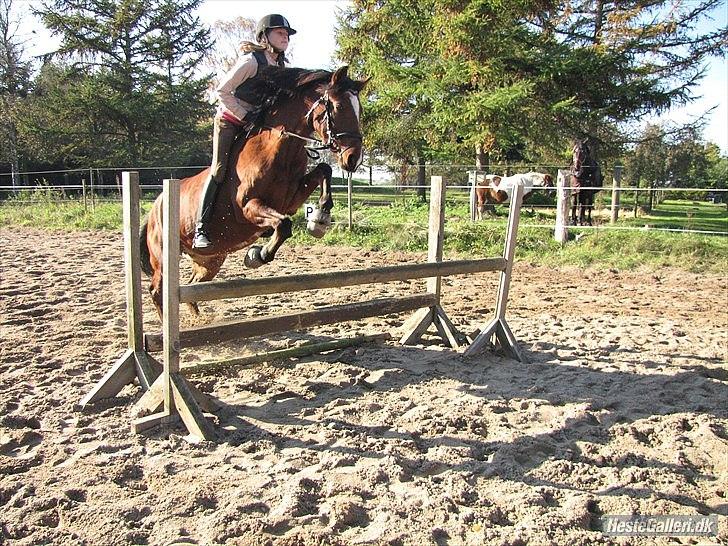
[
  {"x": 15, "y": 82},
  {"x": 517, "y": 80},
  {"x": 131, "y": 85}
]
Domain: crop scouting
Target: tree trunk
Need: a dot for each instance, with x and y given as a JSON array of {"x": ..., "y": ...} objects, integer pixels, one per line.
[
  {"x": 482, "y": 159},
  {"x": 14, "y": 161},
  {"x": 598, "y": 17},
  {"x": 651, "y": 200}
]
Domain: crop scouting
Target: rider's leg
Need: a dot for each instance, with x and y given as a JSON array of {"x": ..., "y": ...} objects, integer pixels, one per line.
[{"x": 223, "y": 137}]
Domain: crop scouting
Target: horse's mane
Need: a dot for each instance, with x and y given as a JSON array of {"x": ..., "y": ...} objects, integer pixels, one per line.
[{"x": 273, "y": 81}]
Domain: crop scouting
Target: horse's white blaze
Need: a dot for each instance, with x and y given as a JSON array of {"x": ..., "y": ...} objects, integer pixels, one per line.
[{"x": 355, "y": 104}]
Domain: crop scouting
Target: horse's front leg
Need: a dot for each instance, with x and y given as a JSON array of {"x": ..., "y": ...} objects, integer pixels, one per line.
[
  {"x": 320, "y": 221},
  {"x": 265, "y": 217}
]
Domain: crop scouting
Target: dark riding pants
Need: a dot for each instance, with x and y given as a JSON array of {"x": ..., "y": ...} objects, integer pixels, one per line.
[{"x": 223, "y": 136}]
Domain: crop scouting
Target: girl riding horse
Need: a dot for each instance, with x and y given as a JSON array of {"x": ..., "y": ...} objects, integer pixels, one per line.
[
  {"x": 265, "y": 181},
  {"x": 234, "y": 115}
]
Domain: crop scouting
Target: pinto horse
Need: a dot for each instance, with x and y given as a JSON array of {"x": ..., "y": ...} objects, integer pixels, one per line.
[
  {"x": 266, "y": 180},
  {"x": 495, "y": 189},
  {"x": 586, "y": 180}
]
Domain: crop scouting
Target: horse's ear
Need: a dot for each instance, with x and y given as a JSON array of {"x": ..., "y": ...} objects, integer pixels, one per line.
[
  {"x": 358, "y": 85},
  {"x": 339, "y": 76}
]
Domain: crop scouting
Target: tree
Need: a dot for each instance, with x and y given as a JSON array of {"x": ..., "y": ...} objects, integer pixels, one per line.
[
  {"x": 518, "y": 79},
  {"x": 717, "y": 172},
  {"x": 15, "y": 83},
  {"x": 676, "y": 160},
  {"x": 630, "y": 59},
  {"x": 127, "y": 90},
  {"x": 227, "y": 36}
]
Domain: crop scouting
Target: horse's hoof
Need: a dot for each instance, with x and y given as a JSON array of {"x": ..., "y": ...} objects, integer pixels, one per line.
[
  {"x": 318, "y": 223},
  {"x": 253, "y": 259}
]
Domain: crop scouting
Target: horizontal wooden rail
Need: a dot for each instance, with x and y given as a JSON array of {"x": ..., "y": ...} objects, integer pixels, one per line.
[
  {"x": 252, "y": 327},
  {"x": 237, "y": 288}
]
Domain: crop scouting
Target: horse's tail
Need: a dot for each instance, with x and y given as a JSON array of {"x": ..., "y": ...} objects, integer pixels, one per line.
[{"x": 143, "y": 248}]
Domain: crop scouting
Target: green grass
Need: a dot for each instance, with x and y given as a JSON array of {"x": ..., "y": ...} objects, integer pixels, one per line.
[
  {"x": 402, "y": 226},
  {"x": 674, "y": 214}
]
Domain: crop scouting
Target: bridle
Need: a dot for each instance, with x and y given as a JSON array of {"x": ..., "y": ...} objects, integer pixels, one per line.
[{"x": 331, "y": 136}]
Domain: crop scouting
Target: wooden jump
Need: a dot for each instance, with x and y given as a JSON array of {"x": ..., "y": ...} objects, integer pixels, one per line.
[{"x": 169, "y": 397}]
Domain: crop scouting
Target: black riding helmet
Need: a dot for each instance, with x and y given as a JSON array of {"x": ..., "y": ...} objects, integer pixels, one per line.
[{"x": 272, "y": 21}]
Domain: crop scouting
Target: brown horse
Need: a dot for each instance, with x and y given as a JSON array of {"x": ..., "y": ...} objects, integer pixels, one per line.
[
  {"x": 586, "y": 180},
  {"x": 266, "y": 180},
  {"x": 495, "y": 189}
]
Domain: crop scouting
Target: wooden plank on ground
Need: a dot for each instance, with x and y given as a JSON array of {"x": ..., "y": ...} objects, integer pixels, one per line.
[
  {"x": 189, "y": 410},
  {"x": 417, "y": 325},
  {"x": 291, "y": 352}
]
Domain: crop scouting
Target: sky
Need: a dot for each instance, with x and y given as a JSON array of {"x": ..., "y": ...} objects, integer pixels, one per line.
[{"x": 314, "y": 45}]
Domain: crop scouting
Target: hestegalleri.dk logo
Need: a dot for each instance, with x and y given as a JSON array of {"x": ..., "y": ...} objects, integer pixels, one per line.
[{"x": 664, "y": 525}]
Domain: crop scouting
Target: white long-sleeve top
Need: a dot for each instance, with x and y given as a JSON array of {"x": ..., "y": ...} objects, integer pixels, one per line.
[{"x": 245, "y": 68}]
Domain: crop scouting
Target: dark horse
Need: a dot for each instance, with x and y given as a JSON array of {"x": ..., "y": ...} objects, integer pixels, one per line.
[
  {"x": 586, "y": 181},
  {"x": 266, "y": 180}
]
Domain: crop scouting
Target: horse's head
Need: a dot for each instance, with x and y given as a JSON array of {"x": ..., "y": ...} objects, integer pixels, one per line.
[
  {"x": 335, "y": 116},
  {"x": 580, "y": 158}
]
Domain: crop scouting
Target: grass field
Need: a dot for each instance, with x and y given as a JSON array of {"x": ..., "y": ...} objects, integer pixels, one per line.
[{"x": 402, "y": 225}]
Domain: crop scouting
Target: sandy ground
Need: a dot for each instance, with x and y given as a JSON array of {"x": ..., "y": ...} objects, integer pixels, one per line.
[{"x": 622, "y": 409}]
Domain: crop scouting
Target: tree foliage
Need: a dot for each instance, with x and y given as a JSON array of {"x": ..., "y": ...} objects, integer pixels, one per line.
[
  {"x": 677, "y": 160},
  {"x": 15, "y": 84},
  {"x": 520, "y": 78},
  {"x": 122, "y": 86}
]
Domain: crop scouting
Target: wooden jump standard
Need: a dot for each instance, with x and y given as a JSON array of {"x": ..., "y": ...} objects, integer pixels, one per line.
[{"x": 167, "y": 388}]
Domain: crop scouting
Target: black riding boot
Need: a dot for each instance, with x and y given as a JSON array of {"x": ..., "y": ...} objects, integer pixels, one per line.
[{"x": 209, "y": 193}]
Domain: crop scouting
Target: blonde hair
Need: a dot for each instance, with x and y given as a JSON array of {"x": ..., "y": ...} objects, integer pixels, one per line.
[{"x": 247, "y": 46}]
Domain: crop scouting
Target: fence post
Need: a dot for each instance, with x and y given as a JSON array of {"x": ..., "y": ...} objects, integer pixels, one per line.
[
  {"x": 436, "y": 231},
  {"x": 435, "y": 315},
  {"x": 83, "y": 189},
  {"x": 93, "y": 197},
  {"x": 349, "y": 197},
  {"x": 616, "y": 181},
  {"x": 563, "y": 192},
  {"x": 473, "y": 199},
  {"x": 170, "y": 287}
]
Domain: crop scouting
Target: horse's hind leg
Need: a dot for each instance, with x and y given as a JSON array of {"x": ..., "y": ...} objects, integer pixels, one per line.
[
  {"x": 154, "y": 246},
  {"x": 204, "y": 269}
]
